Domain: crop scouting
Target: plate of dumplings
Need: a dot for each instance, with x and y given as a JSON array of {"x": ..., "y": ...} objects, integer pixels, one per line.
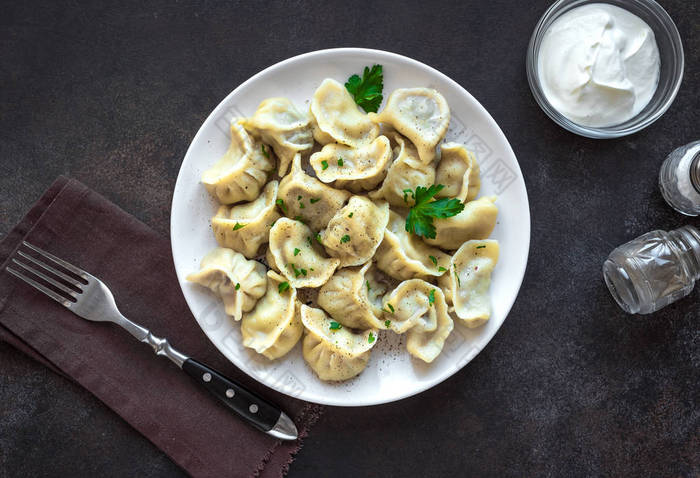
[{"x": 350, "y": 227}]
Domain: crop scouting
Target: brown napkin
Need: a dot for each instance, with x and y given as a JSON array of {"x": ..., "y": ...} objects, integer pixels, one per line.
[{"x": 149, "y": 392}]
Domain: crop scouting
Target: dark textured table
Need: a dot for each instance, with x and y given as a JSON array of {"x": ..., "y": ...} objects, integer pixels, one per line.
[{"x": 570, "y": 386}]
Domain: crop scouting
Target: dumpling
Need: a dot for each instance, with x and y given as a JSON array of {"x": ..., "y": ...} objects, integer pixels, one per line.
[
  {"x": 419, "y": 308},
  {"x": 242, "y": 172},
  {"x": 469, "y": 280},
  {"x": 458, "y": 171},
  {"x": 298, "y": 255},
  {"x": 420, "y": 114},
  {"x": 355, "y": 169},
  {"x": 245, "y": 227},
  {"x": 334, "y": 354},
  {"x": 404, "y": 256},
  {"x": 338, "y": 119},
  {"x": 308, "y": 199},
  {"x": 238, "y": 281},
  {"x": 278, "y": 123},
  {"x": 353, "y": 297},
  {"x": 476, "y": 221},
  {"x": 356, "y": 230},
  {"x": 274, "y": 326},
  {"x": 407, "y": 171}
]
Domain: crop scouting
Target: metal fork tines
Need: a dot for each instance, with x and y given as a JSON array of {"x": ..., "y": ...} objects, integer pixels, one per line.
[{"x": 65, "y": 292}]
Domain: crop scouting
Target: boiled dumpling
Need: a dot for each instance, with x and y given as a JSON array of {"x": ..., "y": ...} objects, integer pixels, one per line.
[
  {"x": 337, "y": 119},
  {"x": 407, "y": 171},
  {"x": 404, "y": 256},
  {"x": 356, "y": 230},
  {"x": 242, "y": 172},
  {"x": 238, "y": 281},
  {"x": 298, "y": 255},
  {"x": 469, "y": 280},
  {"x": 419, "y": 308},
  {"x": 353, "y": 297},
  {"x": 245, "y": 227},
  {"x": 278, "y": 123},
  {"x": 274, "y": 326},
  {"x": 334, "y": 353},
  {"x": 476, "y": 221},
  {"x": 458, "y": 171},
  {"x": 308, "y": 199},
  {"x": 356, "y": 169},
  {"x": 420, "y": 114}
]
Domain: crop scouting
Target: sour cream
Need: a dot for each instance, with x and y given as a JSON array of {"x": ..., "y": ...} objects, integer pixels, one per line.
[{"x": 598, "y": 65}]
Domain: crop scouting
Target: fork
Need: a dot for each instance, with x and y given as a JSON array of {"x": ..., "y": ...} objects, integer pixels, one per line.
[{"x": 88, "y": 297}]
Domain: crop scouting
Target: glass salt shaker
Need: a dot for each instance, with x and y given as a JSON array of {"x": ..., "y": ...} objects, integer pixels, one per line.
[
  {"x": 679, "y": 179},
  {"x": 655, "y": 269}
]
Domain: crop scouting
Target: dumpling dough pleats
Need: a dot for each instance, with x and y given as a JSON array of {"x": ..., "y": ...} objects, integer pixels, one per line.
[
  {"x": 278, "y": 123},
  {"x": 274, "y": 326},
  {"x": 420, "y": 114},
  {"x": 241, "y": 173},
  {"x": 355, "y": 169},
  {"x": 245, "y": 227},
  {"x": 469, "y": 280},
  {"x": 334, "y": 354},
  {"x": 298, "y": 255},
  {"x": 356, "y": 230},
  {"x": 238, "y": 281},
  {"x": 337, "y": 118},
  {"x": 308, "y": 199},
  {"x": 458, "y": 171},
  {"x": 407, "y": 171},
  {"x": 404, "y": 256},
  {"x": 476, "y": 221},
  {"x": 353, "y": 297}
]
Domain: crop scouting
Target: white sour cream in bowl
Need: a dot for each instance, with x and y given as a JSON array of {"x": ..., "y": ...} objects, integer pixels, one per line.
[{"x": 598, "y": 65}]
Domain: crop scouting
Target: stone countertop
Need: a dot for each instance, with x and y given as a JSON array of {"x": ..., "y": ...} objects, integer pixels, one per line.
[{"x": 570, "y": 386}]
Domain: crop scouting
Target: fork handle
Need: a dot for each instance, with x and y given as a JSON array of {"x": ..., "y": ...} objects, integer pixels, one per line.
[{"x": 256, "y": 410}]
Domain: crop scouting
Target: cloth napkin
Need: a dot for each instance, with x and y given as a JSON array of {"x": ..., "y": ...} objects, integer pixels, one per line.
[{"x": 149, "y": 392}]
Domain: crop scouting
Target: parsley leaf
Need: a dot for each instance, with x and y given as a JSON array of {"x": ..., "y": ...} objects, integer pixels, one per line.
[
  {"x": 387, "y": 323},
  {"x": 308, "y": 239},
  {"x": 441, "y": 269},
  {"x": 238, "y": 285},
  {"x": 318, "y": 238},
  {"x": 335, "y": 325},
  {"x": 324, "y": 164},
  {"x": 340, "y": 161},
  {"x": 314, "y": 200},
  {"x": 296, "y": 251},
  {"x": 368, "y": 287},
  {"x": 481, "y": 246},
  {"x": 431, "y": 297},
  {"x": 345, "y": 238},
  {"x": 420, "y": 217},
  {"x": 367, "y": 91},
  {"x": 264, "y": 152},
  {"x": 433, "y": 260},
  {"x": 391, "y": 308},
  {"x": 281, "y": 205},
  {"x": 282, "y": 286},
  {"x": 350, "y": 215},
  {"x": 238, "y": 226},
  {"x": 371, "y": 338},
  {"x": 297, "y": 272}
]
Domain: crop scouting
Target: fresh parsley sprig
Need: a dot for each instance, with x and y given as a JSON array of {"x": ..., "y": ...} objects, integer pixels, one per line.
[
  {"x": 420, "y": 218},
  {"x": 367, "y": 92}
]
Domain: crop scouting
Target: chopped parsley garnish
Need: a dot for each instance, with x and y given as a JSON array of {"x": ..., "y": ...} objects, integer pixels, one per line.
[
  {"x": 406, "y": 192},
  {"x": 238, "y": 285},
  {"x": 433, "y": 259},
  {"x": 314, "y": 200},
  {"x": 308, "y": 239},
  {"x": 371, "y": 338},
  {"x": 324, "y": 164},
  {"x": 459, "y": 282},
  {"x": 345, "y": 239},
  {"x": 238, "y": 226},
  {"x": 318, "y": 238},
  {"x": 340, "y": 161},
  {"x": 335, "y": 325},
  {"x": 441, "y": 269},
  {"x": 297, "y": 272},
  {"x": 480, "y": 247},
  {"x": 281, "y": 205},
  {"x": 282, "y": 286},
  {"x": 391, "y": 308},
  {"x": 420, "y": 217},
  {"x": 299, "y": 198},
  {"x": 387, "y": 323},
  {"x": 300, "y": 219},
  {"x": 350, "y": 215},
  {"x": 367, "y": 91},
  {"x": 296, "y": 251},
  {"x": 264, "y": 152},
  {"x": 301, "y": 205},
  {"x": 431, "y": 297},
  {"x": 311, "y": 269},
  {"x": 368, "y": 287}
]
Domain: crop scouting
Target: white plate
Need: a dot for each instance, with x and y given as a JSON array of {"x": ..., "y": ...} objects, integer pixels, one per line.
[{"x": 391, "y": 373}]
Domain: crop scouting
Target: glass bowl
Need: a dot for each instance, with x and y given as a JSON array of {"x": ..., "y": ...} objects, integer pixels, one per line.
[{"x": 671, "y": 73}]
